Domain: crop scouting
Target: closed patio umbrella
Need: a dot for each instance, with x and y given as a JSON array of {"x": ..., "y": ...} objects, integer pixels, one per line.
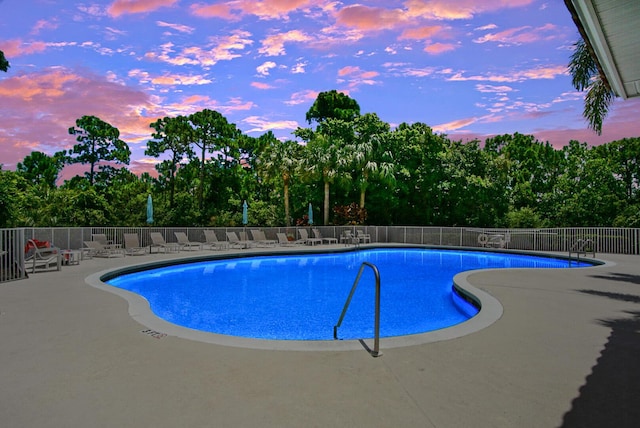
[
  {"x": 310, "y": 214},
  {"x": 149, "y": 210},
  {"x": 245, "y": 214}
]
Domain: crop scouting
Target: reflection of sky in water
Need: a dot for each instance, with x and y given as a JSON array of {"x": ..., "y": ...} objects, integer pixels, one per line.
[{"x": 300, "y": 297}]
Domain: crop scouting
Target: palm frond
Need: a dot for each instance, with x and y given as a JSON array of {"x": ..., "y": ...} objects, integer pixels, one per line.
[
  {"x": 582, "y": 66},
  {"x": 596, "y": 104}
]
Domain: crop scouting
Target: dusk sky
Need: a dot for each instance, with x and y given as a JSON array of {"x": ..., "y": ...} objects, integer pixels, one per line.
[{"x": 467, "y": 68}]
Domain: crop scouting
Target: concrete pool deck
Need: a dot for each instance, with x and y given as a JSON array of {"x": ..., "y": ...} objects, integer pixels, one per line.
[{"x": 565, "y": 352}]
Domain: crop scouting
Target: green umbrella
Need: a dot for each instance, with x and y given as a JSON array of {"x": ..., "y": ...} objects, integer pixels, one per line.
[{"x": 310, "y": 214}]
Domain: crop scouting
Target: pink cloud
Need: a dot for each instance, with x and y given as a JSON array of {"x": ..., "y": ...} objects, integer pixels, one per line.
[
  {"x": 265, "y": 9},
  {"x": 125, "y": 7},
  {"x": 261, "y": 85},
  {"x": 44, "y": 24},
  {"x": 302, "y": 97},
  {"x": 217, "y": 10},
  {"x": 222, "y": 48},
  {"x": 421, "y": 33},
  {"x": 519, "y": 35},
  {"x": 357, "y": 76},
  {"x": 169, "y": 79},
  {"x": 348, "y": 70},
  {"x": 16, "y": 47},
  {"x": 42, "y": 106},
  {"x": 621, "y": 123},
  {"x": 493, "y": 89},
  {"x": 194, "y": 103},
  {"x": 438, "y": 48},
  {"x": 357, "y": 72},
  {"x": 455, "y": 124},
  {"x": 459, "y": 9},
  {"x": 263, "y": 125},
  {"x": 274, "y": 9},
  {"x": 178, "y": 27},
  {"x": 274, "y": 45},
  {"x": 548, "y": 72},
  {"x": 370, "y": 18}
]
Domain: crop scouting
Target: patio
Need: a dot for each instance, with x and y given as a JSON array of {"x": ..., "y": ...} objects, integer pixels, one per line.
[{"x": 564, "y": 353}]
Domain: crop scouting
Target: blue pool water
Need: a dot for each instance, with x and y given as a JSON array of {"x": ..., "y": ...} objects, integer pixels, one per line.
[{"x": 300, "y": 297}]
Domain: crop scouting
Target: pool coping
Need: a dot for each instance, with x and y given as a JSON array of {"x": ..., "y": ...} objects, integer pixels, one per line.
[{"x": 491, "y": 309}]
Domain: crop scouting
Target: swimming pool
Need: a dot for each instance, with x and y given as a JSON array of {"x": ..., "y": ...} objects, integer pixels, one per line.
[{"x": 300, "y": 296}]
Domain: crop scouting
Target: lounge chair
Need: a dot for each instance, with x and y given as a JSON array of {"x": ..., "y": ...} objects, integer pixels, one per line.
[
  {"x": 211, "y": 240},
  {"x": 184, "y": 242},
  {"x": 244, "y": 237},
  {"x": 284, "y": 240},
  {"x": 96, "y": 249},
  {"x": 318, "y": 235},
  {"x": 261, "y": 239},
  {"x": 349, "y": 238},
  {"x": 102, "y": 239},
  {"x": 304, "y": 237},
  {"x": 132, "y": 245},
  {"x": 234, "y": 241},
  {"x": 158, "y": 242},
  {"x": 42, "y": 258},
  {"x": 363, "y": 237}
]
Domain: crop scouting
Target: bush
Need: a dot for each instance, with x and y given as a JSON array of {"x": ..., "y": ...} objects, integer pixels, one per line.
[{"x": 524, "y": 218}]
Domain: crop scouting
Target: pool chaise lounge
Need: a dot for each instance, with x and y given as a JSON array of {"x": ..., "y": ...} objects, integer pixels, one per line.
[
  {"x": 306, "y": 239},
  {"x": 211, "y": 240},
  {"x": 132, "y": 245},
  {"x": 184, "y": 243},
  {"x": 96, "y": 249},
  {"x": 283, "y": 240},
  {"x": 328, "y": 240},
  {"x": 158, "y": 242},
  {"x": 235, "y": 242},
  {"x": 261, "y": 239},
  {"x": 42, "y": 258}
]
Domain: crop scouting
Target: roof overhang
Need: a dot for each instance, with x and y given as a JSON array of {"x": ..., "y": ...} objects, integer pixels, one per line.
[{"x": 611, "y": 29}]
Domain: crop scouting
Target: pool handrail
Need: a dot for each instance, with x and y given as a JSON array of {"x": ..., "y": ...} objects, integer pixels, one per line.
[{"x": 376, "y": 330}]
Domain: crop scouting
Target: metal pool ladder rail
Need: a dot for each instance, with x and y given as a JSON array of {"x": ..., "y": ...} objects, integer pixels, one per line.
[
  {"x": 376, "y": 338},
  {"x": 582, "y": 246}
]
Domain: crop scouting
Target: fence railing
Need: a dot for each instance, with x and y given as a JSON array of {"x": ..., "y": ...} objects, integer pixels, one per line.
[
  {"x": 12, "y": 244},
  {"x": 605, "y": 239}
]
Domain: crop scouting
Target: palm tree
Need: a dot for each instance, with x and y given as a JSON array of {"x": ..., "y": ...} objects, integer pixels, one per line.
[
  {"x": 280, "y": 160},
  {"x": 325, "y": 158},
  {"x": 586, "y": 76},
  {"x": 367, "y": 154}
]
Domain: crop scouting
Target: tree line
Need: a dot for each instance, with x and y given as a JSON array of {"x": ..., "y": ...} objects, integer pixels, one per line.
[{"x": 352, "y": 168}]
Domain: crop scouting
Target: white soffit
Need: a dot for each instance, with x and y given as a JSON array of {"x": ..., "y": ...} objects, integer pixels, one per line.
[{"x": 613, "y": 29}]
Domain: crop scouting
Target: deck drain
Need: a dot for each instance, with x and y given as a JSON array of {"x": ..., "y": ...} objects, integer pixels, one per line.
[{"x": 154, "y": 334}]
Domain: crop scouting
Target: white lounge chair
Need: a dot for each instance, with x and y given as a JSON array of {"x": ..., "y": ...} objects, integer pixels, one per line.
[
  {"x": 132, "y": 245},
  {"x": 184, "y": 242},
  {"x": 363, "y": 237},
  {"x": 284, "y": 240},
  {"x": 318, "y": 235},
  {"x": 42, "y": 258},
  {"x": 96, "y": 249},
  {"x": 304, "y": 237},
  {"x": 211, "y": 240},
  {"x": 349, "y": 238},
  {"x": 107, "y": 243},
  {"x": 158, "y": 242},
  {"x": 261, "y": 239},
  {"x": 234, "y": 241}
]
